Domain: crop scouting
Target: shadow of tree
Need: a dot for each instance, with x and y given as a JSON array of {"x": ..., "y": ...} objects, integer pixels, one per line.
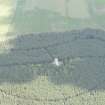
[{"x": 82, "y": 53}]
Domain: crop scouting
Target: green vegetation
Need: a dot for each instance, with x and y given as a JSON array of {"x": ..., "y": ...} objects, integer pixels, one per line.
[
  {"x": 37, "y": 84},
  {"x": 42, "y": 91},
  {"x": 22, "y": 20},
  {"x": 100, "y": 2}
]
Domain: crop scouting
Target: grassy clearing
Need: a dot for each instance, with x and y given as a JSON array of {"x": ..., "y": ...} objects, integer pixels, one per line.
[
  {"x": 41, "y": 20},
  {"x": 79, "y": 9},
  {"x": 6, "y": 11},
  {"x": 100, "y": 2},
  {"x": 42, "y": 92}
]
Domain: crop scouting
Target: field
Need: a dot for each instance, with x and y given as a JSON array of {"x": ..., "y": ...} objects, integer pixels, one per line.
[
  {"x": 42, "y": 92},
  {"x": 23, "y": 86},
  {"x": 18, "y": 20},
  {"x": 100, "y": 2}
]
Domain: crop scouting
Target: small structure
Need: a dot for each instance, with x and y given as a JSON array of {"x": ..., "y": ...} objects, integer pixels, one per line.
[{"x": 57, "y": 62}]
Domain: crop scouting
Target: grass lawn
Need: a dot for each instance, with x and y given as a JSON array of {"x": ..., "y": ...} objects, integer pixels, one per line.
[
  {"x": 42, "y": 92},
  {"x": 6, "y": 11},
  {"x": 100, "y": 2}
]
